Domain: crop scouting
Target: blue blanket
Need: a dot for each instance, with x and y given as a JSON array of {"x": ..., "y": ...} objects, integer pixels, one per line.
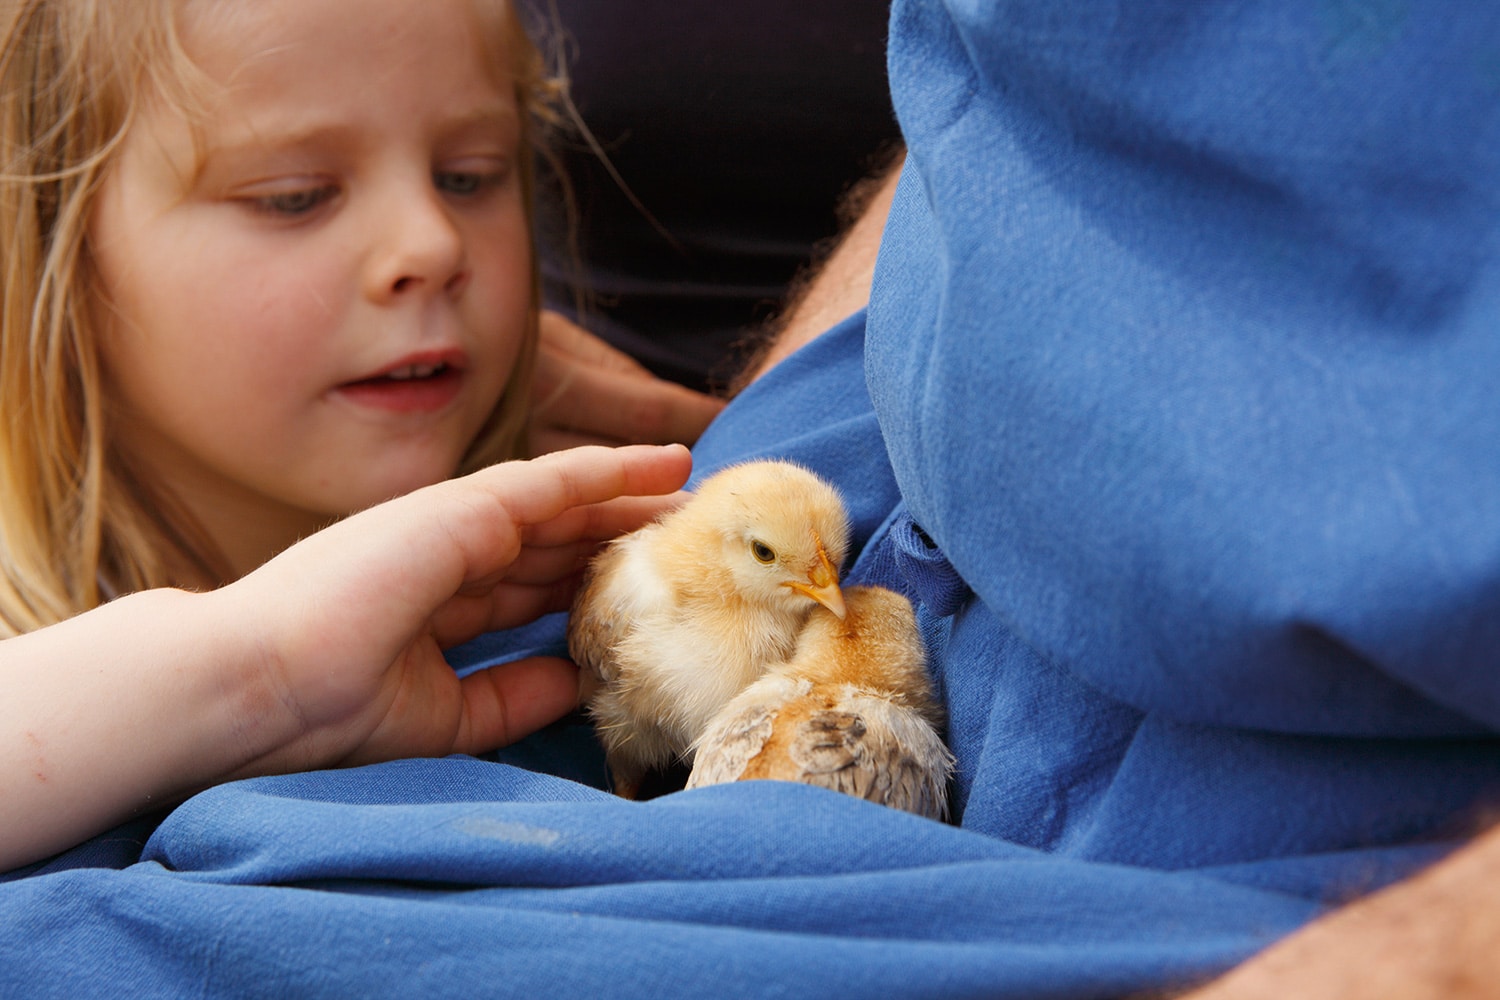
[{"x": 1174, "y": 410}]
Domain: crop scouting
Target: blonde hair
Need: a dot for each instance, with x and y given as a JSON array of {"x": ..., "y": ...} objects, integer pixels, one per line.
[{"x": 74, "y": 519}]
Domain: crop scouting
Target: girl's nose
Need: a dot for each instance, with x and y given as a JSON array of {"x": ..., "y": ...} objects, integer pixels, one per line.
[{"x": 419, "y": 250}]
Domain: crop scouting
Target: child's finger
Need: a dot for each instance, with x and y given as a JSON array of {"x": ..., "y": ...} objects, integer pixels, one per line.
[
  {"x": 539, "y": 490},
  {"x": 537, "y": 566},
  {"x": 503, "y": 606},
  {"x": 505, "y": 703},
  {"x": 601, "y": 522}
]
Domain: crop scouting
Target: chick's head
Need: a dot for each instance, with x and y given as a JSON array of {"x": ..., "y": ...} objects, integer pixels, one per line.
[{"x": 781, "y": 533}]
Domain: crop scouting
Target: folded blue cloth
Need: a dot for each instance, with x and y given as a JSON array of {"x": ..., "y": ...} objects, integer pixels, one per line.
[
  {"x": 464, "y": 878},
  {"x": 1202, "y": 301},
  {"x": 1181, "y": 373}
]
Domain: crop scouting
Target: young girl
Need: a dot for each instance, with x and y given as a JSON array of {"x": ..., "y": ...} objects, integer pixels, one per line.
[{"x": 267, "y": 263}]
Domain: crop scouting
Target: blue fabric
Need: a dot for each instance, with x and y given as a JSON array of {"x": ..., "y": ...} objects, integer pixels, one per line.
[
  {"x": 1230, "y": 336},
  {"x": 1181, "y": 372},
  {"x": 1222, "y": 296},
  {"x": 460, "y": 878}
]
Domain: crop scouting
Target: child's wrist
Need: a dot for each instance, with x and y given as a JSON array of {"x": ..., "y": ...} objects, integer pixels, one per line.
[
  {"x": 257, "y": 714},
  {"x": 230, "y": 715}
]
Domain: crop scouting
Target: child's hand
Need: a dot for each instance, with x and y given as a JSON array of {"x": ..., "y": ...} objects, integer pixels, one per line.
[
  {"x": 353, "y": 621},
  {"x": 586, "y": 392},
  {"x": 328, "y": 654}
]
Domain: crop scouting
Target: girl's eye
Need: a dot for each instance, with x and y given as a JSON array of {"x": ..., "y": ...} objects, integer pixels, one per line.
[
  {"x": 470, "y": 175},
  {"x": 762, "y": 552},
  {"x": 464, "y": 182},
  {"x": 293, "y": 203}
]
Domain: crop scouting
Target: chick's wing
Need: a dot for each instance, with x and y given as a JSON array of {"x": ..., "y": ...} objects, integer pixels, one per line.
[
  {"x": 599, "y": 618},
  {"x": 867, "y": 746}
]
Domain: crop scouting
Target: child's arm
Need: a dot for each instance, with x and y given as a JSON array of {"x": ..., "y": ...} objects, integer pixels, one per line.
[{"x": 329, "y": 654}]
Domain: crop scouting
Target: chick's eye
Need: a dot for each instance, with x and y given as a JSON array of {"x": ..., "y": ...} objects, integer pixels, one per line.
[{"x": 762, "y": 552}]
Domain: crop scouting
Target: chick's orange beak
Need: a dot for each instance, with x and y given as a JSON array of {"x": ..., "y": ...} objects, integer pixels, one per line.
[{"x": 823, "y": 584}]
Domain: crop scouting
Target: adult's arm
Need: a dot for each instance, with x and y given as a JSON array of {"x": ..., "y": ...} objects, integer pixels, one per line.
[
  {"x": 1434, "y": 935},
  {"x": 839, "y": 286},
  {"x": 586, "y": 392},
  {"x": 329, "y": 654}
]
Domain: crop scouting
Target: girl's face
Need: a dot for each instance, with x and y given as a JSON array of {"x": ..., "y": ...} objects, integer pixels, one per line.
[{"x": 316, "y": 304}]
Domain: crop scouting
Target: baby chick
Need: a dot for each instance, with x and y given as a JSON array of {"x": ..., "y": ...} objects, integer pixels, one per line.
[
  {"x": 852, "y": 711},
  {"x": 673, "y": 620}
]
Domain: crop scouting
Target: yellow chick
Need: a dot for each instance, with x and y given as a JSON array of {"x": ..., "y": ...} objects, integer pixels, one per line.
[
  {"x": 852, "y": 711},
  {"x": 676, "y": 618}
]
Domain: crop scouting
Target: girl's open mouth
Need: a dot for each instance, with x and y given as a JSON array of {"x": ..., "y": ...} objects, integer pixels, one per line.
[
  {"x": 416, "y": 371},
  {"x": 410, "y": 389}
]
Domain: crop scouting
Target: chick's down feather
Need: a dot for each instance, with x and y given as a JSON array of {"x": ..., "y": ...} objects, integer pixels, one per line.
[
  {"x": 852, "y": 711},
  {"x": 676, "y": 618}
]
